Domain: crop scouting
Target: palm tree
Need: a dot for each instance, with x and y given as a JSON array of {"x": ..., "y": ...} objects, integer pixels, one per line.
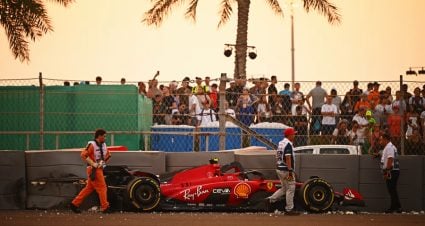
[
  {"x": 23, "y": 20},
  {"x": 161, "y": 8}
]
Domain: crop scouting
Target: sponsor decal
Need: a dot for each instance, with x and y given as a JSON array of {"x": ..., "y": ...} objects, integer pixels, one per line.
[
  {"x": 269, "y": 185},
  {"x": 191, "y": 195},
  {"x": 242, "y": 190},
  {"x": 221, "y": 191}
]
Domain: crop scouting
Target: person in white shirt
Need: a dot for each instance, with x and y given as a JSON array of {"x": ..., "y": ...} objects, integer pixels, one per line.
[
  {"x": 206, "y": 115},
  {"x": 329, "y": 112},
  {"x": 391, "y": 171},
  {"x": 194, "y": 107}
]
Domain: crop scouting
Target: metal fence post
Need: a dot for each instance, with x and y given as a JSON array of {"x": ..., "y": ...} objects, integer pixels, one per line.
[
  {"x": 222, "y": 112},
  {"x": 40, "y": 79},
  {"x": 402, "y": 112}
]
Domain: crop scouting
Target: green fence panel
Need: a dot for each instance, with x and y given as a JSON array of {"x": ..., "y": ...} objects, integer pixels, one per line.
[
  {"x": 73, "y": 108},
  {"x": 19, "y": 111}
]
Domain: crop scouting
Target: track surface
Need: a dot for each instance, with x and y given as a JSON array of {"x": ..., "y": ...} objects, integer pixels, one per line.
[{"x": 65, "y": 218}]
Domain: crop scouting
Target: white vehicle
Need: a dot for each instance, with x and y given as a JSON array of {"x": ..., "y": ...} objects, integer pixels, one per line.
[{"x": 329, "y": 149}]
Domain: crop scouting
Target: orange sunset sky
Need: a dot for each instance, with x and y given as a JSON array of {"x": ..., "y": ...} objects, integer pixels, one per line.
[{"x": 377, "y": 40}]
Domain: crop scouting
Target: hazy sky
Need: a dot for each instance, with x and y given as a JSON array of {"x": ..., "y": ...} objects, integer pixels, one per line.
[{"x": 377, "y": 40}]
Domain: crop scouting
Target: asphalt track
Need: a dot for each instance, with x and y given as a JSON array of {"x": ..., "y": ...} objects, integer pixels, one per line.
[{"x": 67, "y": 218}]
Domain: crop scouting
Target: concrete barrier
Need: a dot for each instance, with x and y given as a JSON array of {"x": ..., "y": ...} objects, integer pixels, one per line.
[
  {"x": 410, "y": 184},
  {"x": 360, "y": 172},
  {"x": 423, "y": 183},
  {"x": 183, "y": 160},
  {"x": 148, "y": 161},
  {"x": 52, "y": 165},
  {"x": 12, "y": 180},
  {"x": 258, "y": 158},
  {"x": 67, "y": 164}
]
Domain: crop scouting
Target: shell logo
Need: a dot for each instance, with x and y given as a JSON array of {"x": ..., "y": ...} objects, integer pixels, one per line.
[{"x": 242, "y": 190}]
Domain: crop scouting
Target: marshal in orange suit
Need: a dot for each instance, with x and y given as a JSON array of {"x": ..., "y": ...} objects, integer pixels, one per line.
[{"x": 96, "y": 155}]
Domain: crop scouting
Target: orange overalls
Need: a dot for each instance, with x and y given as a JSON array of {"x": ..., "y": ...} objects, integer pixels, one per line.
[{"x": 93, "y": 151}]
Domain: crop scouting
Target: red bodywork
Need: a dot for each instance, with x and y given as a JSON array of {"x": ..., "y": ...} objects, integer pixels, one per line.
[{"x": 207, "y": 186}]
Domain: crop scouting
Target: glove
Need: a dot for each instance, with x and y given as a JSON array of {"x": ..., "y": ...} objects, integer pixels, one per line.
[
  {"x": 290, "y": 176},
  {"x": 386, "y": 174},
  {"x": 93, "y": 173}
]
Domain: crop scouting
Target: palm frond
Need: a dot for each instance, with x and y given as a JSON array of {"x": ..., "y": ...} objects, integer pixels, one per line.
[
  {"x": 23, "y": 20},
  {"x": 161, "y": 8},
  {"x": 63, "y": 2},
  {"x": 225, "y": 12},
  {"x": 274, "y": 4},
  {"x": 191, "y": 10},
  {"x": 324, "y": 7}
]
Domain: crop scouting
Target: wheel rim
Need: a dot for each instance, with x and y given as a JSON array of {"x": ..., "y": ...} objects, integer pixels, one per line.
[
  {"x": 144, "y": 194},
  {"x": 318, "y": 196}
]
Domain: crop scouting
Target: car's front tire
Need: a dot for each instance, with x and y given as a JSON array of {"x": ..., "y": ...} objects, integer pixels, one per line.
[
  {"x": 316, "y": 195},
  {"x": 144, "y": 193}
]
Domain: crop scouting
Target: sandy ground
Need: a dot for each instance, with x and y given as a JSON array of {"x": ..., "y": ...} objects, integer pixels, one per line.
[{"x": 65, "y": 218}]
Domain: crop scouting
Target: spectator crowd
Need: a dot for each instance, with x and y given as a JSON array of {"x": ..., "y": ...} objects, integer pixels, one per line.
[{"x": 356, "y": 116}]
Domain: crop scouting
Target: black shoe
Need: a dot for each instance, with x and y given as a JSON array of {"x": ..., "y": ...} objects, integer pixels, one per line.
[
  {"x": 389, "y": 211},
  {"x": 106, "y": 211},
  {"x": 268, "y": 205},
  {"x": 74, "y": 208},
  {"x": 292, "y": 213},
  {"x": 398, "y": 210}
]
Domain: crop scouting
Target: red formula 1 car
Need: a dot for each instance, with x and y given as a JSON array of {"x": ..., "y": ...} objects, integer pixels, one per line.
[{"x": 215, "y": 187}]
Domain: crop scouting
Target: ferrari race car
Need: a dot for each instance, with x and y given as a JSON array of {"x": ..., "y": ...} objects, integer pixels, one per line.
[{"x": 215, "y": 187}]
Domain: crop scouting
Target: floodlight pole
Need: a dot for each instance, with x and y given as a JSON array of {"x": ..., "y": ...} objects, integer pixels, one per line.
[{"x": 292, "y": 46}]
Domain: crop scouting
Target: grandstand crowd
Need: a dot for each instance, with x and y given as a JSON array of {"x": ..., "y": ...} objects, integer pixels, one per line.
[{"x": 356, "y": 116}]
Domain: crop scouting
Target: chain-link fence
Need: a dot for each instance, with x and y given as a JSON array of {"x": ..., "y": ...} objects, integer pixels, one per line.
[{"x": 183, "y": 115}]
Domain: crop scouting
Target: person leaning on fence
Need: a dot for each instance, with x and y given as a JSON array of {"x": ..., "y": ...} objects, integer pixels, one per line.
[
  {"x": 180, "y": 116},
  {"x": 206, "y": 115},
  {"x": 95, "y": 155},
  {"x": 285, "y": 163},
  {"x": 391, "y": 170},
  {"x": 300, "y": 124},
  {"x": 375, "y": 146},
  {"x": 415, "y": 145},
  {"x": 341, "y": 134}
]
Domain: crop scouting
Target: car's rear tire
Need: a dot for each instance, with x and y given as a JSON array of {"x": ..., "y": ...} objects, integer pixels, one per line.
[
  {"x": 144, "y": 193},
  {"x": 316, "y": 195}
]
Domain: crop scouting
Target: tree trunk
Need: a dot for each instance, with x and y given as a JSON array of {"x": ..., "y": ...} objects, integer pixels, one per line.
[{"x": 241, "y": 39}]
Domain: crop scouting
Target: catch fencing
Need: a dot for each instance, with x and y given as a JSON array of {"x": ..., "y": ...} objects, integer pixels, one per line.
[{"x": 43, "y": 113}]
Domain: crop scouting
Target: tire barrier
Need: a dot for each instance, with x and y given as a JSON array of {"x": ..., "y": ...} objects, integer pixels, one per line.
[{"x": 12, "y": 180}]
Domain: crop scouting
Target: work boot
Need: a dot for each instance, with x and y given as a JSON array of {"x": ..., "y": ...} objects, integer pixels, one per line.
[
  {"x": 268, "y": 205},
  {"x": 107, "y": 210},
  {"x": 291, "y": 213},
  {"x": 74, "y": 208}
]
